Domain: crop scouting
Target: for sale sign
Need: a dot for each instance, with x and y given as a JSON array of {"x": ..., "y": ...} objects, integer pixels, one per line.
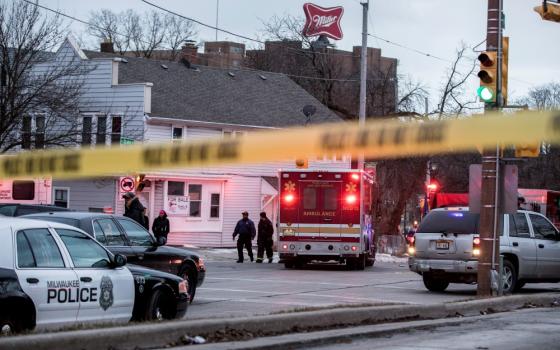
[{"x": 322, "y": 21}]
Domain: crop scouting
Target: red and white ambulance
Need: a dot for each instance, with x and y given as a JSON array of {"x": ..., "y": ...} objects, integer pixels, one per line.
[{"x": 324, "y": 216}]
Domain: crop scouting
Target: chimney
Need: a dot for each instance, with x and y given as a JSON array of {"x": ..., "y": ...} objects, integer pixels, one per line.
[
  {"x": 107, "y": 46},
  {"x": 189, "y": 52}
]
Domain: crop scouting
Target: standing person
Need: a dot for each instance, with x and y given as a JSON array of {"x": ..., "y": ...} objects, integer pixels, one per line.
[
  {"x": 245, "y": 228},
  {"x": 264, "y": 239},
  {"x": 160, "y": 228},
  {"x": 133, "y": 209}
]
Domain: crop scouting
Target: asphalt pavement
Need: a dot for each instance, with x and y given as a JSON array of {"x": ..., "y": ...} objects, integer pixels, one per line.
[
  {"x": 237, "y": 290},
  {"x": 524, "y": 329}
]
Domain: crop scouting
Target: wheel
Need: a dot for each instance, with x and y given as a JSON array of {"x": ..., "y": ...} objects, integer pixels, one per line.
[
  {"x": 433, "y": 284},
  {"x": 519, "y": 285},
  {"x": 289, "y": 265},
  {"x": 160, "y": 307},
  {"x": 370, "y": 260},
  {"x": 361, "y": 262},
  {"x": 9, "y": 325},
  {"x": 509, "y": 277},
  {"x": 191, "y": 278}
]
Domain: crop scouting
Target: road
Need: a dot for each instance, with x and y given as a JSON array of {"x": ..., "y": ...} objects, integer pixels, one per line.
[
  {"x": 525, "y": 329},
  {"x": 235, "y": 290}
]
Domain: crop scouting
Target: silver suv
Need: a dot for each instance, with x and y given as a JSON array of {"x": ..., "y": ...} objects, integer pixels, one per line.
[{"x": 446, "y": 247}]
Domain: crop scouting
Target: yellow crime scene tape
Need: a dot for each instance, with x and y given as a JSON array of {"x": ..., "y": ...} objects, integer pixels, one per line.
[{"x": 377, "y": 139}]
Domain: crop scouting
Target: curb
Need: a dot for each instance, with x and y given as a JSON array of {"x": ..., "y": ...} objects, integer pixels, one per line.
[{"x": 158, "y": 335}]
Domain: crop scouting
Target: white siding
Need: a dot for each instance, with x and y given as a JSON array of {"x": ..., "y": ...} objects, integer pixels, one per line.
[
  {"x": 194, "y": 133},
  {"x": 158, "y": 133}
]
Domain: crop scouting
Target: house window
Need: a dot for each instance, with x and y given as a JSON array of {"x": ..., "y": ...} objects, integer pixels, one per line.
[
  {"x": 26, "y": 133},
  {"x": 116, "y": 130},
  {"x": 40, "y": 132},
  {"x": 61, "y": 197},
  {"x": 23, "y": 190},
  {"x": 215, "y": 205},
  {"x": 177, "y": 135},
  {"x": 101, "y": 131},
  {"x": 195, "y": 200},
  {"x": 175, "y": 188},
  {"x": 86, "y": 131}
]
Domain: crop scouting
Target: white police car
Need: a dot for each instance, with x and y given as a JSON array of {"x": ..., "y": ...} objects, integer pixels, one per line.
[{"x": 53, "y": 274}]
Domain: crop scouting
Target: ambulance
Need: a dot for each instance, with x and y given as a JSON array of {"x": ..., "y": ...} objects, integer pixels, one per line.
[{"x": 326, "y": 216}]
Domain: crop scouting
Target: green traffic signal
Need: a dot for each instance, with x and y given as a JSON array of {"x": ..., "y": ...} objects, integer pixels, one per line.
[{"x": 485, "y": 93}]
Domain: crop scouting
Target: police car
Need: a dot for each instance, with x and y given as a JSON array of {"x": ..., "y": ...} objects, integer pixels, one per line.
[{"x": 52, "y": 274}]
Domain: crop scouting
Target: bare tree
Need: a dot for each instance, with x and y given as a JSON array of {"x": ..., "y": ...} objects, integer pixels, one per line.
[
  {"x": 141, "y": 35},
  {"x": 452, "y": 101},
  {"x": 38, "y": 100}
]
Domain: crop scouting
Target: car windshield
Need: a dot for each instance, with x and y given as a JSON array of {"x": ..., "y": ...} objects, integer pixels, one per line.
[{"x": 450, "y": 221}]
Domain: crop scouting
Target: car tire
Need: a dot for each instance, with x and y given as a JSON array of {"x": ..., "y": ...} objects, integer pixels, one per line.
[
  {"x": 519, "y": 285},
  {"x": 159, "y": 307},
  {"x": 9, "y": 325},
  {"x": 370, "y": 260},
  {"x": 509, "y": 277},
  {"x": 288, "y": 265},
  {"x": 361, "y": 262},
  {"x": 190, "y": 276},
  {"x": 433, "y": 284}
]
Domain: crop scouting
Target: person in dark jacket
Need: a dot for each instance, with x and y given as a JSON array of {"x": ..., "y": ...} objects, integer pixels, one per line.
[
  {"x": 160, "y": 228},
  {"x": 133, "y": 209},
  {"x": 245, "y": 228},
  {"x": 264, "y": 238}
]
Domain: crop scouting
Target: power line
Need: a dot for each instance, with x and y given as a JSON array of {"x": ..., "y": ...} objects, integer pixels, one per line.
[
  {"x": 240, "y": 35},
  {"x": 231, "y": 67}
]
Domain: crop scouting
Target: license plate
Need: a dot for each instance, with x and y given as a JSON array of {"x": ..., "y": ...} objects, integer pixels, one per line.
[{"x": 442, "y": 245}]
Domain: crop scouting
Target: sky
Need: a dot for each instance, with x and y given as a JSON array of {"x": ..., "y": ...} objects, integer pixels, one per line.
[{"x": 436, "y": 27}]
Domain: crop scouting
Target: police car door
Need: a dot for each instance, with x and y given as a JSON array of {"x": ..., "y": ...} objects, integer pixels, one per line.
[
  {"x": 106, "y": 293},
  {"x": 45, "y": 277}
]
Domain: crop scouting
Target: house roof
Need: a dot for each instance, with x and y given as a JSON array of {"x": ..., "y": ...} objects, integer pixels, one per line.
[{"x": 219, "y": 95}]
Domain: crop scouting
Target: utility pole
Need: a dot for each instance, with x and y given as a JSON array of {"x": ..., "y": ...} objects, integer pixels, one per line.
[
  {"x": 489, "y": 216},
  {"x": 363, "y": 72},
  {"x": 217, "y": 15}
]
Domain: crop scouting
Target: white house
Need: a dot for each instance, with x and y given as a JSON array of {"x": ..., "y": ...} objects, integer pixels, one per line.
[{"x": 160, "y": 101}]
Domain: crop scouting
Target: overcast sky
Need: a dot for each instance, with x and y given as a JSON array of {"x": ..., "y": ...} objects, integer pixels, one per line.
[{"x": 433, "y": 26}]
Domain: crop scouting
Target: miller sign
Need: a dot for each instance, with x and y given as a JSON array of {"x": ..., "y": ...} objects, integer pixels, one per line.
[{"x": 322, "y": 21}]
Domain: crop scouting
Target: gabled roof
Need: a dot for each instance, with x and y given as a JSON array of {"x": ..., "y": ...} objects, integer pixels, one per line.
[{"x": 218, "y": 95}]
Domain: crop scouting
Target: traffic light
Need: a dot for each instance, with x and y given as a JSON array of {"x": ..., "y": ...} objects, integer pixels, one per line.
[
  {"x": 527, "y": 151},
  {"x": 549, "y": 11},
  {"x": 488, "y": 82},
  {"x": 302, "y": 163},
  {"x": 505, "y": 56}
]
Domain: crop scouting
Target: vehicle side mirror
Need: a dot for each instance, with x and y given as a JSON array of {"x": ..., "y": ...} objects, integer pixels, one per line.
[{"x": 119, "y": 260}]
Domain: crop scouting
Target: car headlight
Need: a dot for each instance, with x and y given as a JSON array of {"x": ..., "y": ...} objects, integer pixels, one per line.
[{"x": 183, "y": 287}]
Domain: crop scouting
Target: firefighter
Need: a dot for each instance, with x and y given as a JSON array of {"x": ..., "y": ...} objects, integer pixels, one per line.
[
  {"x": 245, "y": 228},
  {"x": 264, "y": 238}
]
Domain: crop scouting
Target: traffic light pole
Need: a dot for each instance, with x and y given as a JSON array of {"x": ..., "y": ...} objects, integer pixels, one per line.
[{"x": 487, "y": 262}]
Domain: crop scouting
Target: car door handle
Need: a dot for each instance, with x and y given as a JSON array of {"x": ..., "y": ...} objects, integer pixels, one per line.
[
  {"x": 327, "y": 219},
  {"x": 33, "y": 280},
  {"x": 541, "y": 245},
  {"x": 515, "y": 244},
  {"x": 141, "y": 257},
  {"x": 86, "y": 279}
]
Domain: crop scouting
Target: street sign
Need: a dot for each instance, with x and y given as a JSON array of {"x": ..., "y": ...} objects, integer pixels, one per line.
[
  {"x": 126, "y": 141},
  {"x": 322, "y": 21},
  {"x": 127, "y": 184}
]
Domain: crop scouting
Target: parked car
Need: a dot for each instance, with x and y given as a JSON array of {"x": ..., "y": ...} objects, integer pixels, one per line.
[
  {"x": 53, "y": 274},
  {"x": 447, "y": 245},
  {"x": 124, "y": 236},
  {"x": 16, "y": 209}
]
